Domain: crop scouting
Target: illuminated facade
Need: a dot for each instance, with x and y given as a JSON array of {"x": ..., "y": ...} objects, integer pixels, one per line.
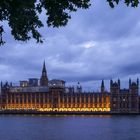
[{"x": 53, "y": 96}]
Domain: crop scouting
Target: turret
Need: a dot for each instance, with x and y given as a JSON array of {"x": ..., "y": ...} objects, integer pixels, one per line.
[
  {"x": 1, "y": 84},
  {"x": 79, "y": 88},
  {"x": 11, "y": 84},
  {"x": 133, "y": 87},
  {"x": 115, "y": 87},
  {"x": 137, "y": 82}
]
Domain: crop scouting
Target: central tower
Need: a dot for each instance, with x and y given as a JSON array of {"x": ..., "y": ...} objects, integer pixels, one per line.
[{"x": 44, "y": 77}]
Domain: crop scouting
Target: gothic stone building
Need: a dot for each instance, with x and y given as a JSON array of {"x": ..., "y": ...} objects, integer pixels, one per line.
[
  {"x": 124, "y": 100},
  {"x": 53, "y": 96}
]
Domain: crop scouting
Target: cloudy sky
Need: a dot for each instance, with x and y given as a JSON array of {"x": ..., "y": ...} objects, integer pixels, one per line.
[{"x": 98, "y": 43}]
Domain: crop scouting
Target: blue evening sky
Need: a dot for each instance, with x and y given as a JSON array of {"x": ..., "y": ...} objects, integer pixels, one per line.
[{"x": 98, "y": 43}]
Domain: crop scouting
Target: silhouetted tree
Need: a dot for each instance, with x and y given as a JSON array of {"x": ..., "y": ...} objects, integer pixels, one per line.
[
  {"x": 132, "y": 3},
  {"x": 23, "y": 15}
]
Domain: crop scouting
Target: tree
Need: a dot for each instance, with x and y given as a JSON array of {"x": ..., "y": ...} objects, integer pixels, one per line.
[{"x": 23, "y": 15}]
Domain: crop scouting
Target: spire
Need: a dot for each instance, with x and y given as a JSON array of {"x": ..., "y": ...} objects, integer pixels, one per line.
[
  {"x": 44, "y": 72},
  {"x": 111, "y": 82},
  {"x": 44, "y": 78},
  {"x": 119, "y": 83},
  {"x": 137, "y": 81},
  {"x": 102, "y": 86},
  {"x": 129, "y": 82},
  {"x": 44, "y": 66}
]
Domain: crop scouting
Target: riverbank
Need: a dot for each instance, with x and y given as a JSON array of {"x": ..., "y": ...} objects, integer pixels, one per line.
[{"x": 63, "y": 113}]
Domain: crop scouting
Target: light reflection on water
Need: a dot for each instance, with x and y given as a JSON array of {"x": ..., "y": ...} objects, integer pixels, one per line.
[{"x": 93, "y": 127}]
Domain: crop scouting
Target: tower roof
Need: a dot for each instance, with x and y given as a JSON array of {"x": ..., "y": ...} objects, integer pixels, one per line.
[{"x": 102, "y": 84}]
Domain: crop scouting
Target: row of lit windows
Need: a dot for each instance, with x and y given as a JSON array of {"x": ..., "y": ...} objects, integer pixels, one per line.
[
  {"x": 51, "y": 100},
  {"x": 59, "y": 105}
]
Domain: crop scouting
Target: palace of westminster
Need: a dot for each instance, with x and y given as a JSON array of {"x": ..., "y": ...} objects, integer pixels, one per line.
[{"x": 52, "y": 96}]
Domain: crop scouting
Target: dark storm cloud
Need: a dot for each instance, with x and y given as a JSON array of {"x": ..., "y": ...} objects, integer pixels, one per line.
[{"x": 98, "y": 43}]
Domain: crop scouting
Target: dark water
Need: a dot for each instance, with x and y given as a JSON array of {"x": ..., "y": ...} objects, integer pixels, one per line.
[{"x": 69, "y": 127}]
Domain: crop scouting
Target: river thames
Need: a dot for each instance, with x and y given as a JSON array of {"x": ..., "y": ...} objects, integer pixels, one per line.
[{"x": 24, "y": 127}]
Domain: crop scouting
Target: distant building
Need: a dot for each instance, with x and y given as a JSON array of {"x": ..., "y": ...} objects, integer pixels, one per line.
[
  {"x": 53, "y": 96},
  {"x": 33, "y": 82},
  {"x": 24, "y": 83},
  {"x": 56, "y": 83}
]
